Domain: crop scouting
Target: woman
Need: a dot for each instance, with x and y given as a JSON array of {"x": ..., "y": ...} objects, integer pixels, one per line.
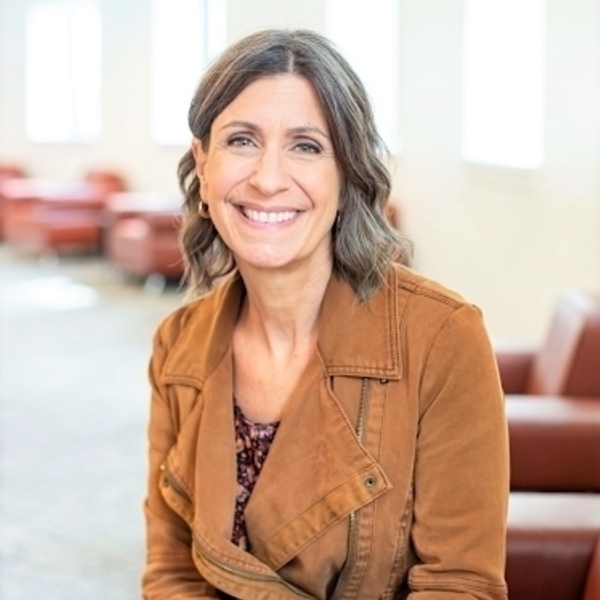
[{"x": 372, "y": 391}]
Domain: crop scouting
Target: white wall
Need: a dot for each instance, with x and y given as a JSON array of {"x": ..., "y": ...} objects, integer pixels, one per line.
[{"x": 510, "y": 241}]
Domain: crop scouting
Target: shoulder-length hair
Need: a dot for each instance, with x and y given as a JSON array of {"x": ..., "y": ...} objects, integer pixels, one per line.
[{"x": 364, "y": 243}]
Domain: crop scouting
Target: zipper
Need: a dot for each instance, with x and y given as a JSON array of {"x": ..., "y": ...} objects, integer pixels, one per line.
[
  {"x": 353, "y": 525},
  {"x": 173, "y": 483},
  {"x": 362, "y": 409},
  {"x": 248, "y": 574},
  {"x": 170, "y": 480}
]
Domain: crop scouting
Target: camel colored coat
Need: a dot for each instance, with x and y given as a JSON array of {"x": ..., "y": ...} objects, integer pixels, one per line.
[{"x": 388, "y": 476}]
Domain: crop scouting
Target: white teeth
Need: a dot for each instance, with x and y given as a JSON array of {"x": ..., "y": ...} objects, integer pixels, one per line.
[{"x": 269, "y": 217}]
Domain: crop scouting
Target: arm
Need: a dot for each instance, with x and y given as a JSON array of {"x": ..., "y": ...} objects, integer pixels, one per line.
[
  {"x": 170, "y": 573},
  {"x": 461, "y": 471}
]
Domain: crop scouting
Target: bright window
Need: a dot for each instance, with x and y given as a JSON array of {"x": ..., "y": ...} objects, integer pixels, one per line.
[
  {"x": 367, "y": 33},
  {"x": 186, "y": 36},
  {"x": 63, "y": 62},
  {"x": 504, "y": 50}
]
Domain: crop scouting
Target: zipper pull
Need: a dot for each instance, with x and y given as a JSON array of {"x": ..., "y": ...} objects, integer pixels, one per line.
[{"x": 164, "y": 479}]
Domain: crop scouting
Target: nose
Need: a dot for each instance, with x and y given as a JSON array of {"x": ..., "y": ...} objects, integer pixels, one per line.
[{"x": 269, "y": 175}]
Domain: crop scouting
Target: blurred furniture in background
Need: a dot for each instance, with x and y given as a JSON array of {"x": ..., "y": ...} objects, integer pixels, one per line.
[
  {"x": 553, "y": 546},
  {"x": 554, "y": 443},
  {"x": 7, "y": 172},
  {"x": 553, "y": 410},
  {"x": 44, "y": 215},
  {"x": 568, "y": 362},
  {"x": 142, "y": 235}
]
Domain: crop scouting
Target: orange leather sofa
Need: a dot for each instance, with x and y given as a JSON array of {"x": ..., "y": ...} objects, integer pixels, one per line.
[
  {"x": 553, "y": 546},
  {"x": 7, "y": 172},
  {"x": 553, "y": 410},
  {"x": 142, "y": 234},
  {"x": 554, "y": 443},
  {"x": 42, "y": 215},
  {"x": 11, "y": 170},
  {"x": 553, "y": 402}
]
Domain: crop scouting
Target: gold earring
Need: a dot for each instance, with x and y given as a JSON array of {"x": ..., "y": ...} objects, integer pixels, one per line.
[{"x": 204, "y": 210}]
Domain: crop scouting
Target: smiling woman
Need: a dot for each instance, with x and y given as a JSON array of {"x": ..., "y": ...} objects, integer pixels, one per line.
[
  {"x": 347, "y": 130},
  {"x": 325, "y": 423},
  {"x": 269, "y": 178}
]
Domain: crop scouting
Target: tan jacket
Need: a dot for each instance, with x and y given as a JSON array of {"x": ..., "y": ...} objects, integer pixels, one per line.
[{"x": 388, "y": 475}]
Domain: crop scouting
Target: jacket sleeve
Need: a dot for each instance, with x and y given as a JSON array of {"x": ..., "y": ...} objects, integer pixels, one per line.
[
  {"x": 461, "y": 470},
  {"x": 170, "y": 573}
]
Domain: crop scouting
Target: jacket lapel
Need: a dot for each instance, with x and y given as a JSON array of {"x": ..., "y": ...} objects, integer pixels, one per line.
[
  {"x": 216, "y": 469},
  {"x": 317, "y": 473},
  {"x": 206, "y": 337},
  {"x": 357, "y": 338}
]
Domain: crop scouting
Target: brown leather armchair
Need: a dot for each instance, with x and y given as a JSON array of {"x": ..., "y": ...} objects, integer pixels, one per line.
[
  {"x": 142, "y": 235},
  {"x": 42, "y": 214},
  {"x": 568, "y": 362},
  {"x": 554, "y": 443},
  {"x": 8, "y": 171},
  {"x": 553, "y": 411},
  {"x": 553, "y": 402},
  {"x": 553, "y": 547}
]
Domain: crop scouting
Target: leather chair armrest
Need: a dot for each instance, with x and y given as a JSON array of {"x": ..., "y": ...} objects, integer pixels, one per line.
[
  {"x": 163, "y": 221},
  {"x": 514, "y": 364},
  {"x": 554, "y": 443},
  {"x": 592, "y": 586},
  {"x": 551, "y": 545}
]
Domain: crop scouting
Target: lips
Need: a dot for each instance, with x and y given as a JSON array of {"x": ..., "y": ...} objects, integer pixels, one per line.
[{"x": 272, "y": 216}]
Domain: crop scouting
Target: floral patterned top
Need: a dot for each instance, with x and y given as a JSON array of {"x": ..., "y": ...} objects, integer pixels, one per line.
[{"x": 252, "y": 444}]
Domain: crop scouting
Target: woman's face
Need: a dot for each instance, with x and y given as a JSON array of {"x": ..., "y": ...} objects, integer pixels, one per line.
[{"x": 270, "y": 176}]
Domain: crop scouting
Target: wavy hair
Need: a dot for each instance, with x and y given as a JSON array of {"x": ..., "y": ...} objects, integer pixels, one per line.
[{"x": 364, "y": 243}]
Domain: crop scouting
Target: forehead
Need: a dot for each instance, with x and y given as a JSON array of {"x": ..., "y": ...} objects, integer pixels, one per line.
[{"x": 285, "y": 95}]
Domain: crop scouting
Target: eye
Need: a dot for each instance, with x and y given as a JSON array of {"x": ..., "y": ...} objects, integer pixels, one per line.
[
  {"x": 240, "y": 141},
  {"x": 308, "y": 148}
]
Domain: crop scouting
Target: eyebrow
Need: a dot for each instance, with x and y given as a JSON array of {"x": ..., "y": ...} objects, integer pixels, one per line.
[{"x": 294, "y": 130}]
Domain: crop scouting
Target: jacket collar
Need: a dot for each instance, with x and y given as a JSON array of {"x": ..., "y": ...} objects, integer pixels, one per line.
[{"x": 355, "y": 338}]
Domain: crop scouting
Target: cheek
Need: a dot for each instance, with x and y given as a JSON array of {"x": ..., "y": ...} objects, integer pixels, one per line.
[
  {"x": 328, "y": 188},
  {"x": 220, "y": 179}
]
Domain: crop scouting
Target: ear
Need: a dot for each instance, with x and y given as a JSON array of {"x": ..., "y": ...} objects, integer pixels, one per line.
[{"x": 200, "y": 159}]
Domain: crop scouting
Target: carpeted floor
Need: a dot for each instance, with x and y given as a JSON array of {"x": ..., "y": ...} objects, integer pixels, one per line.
[{"x": 74, "y": 345}]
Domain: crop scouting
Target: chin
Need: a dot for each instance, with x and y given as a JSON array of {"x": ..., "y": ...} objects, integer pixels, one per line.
[{"x": 267, "y": 263}]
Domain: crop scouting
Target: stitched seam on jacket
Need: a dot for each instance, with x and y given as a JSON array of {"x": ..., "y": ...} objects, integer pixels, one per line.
[
  {"x": 440, "y": 581},
  {"x": 227, "y": 558},
  {"x": 369, "y": 499},
  {"x": 420, "y": 290},
  {"x": 399, "y": 564}
]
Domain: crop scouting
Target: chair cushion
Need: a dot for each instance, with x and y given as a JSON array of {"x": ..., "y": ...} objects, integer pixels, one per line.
[
  {"x": 551, "y": 543},
  {"x": 554, "y": 443}
]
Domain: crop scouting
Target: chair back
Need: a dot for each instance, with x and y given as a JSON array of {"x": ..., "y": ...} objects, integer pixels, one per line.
[
  {"x": 568, "y": 363},
  {"x": 106, "y": 181}
]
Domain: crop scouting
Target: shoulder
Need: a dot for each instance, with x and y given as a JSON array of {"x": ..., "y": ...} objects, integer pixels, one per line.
[
  {"x": 191, "y": 341},
  {"x": 196, "y": 317},
  {"x": 410, "y": 286},
  {"x": 404, "y": 279},
  {"x": 171, "y": 327},
  {"x": 426, "y": 307}
]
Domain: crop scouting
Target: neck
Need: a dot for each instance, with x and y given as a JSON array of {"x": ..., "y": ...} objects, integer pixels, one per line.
[{"x": 281, "y": 309}]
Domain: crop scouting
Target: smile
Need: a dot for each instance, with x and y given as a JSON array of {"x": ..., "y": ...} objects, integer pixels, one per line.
[{"x": 261, "y": 216}]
